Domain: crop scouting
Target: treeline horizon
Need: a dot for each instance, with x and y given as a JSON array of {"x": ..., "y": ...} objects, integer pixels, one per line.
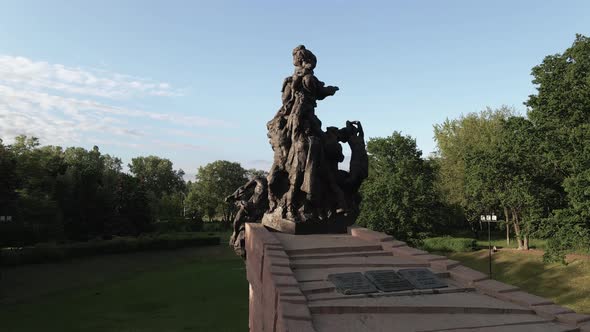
[{"x": 59, "y": 194}]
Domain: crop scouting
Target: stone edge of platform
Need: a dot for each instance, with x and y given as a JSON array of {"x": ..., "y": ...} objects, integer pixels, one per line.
[{"x": 276, "y": 302}]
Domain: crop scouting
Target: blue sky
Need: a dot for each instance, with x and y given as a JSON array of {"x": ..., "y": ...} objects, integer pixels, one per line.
[{"x": 196, "y": 81}]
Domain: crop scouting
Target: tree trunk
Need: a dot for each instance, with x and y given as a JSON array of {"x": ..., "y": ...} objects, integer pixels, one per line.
[
  {"x": 226, "y": 215},
  {"x": 507, "y": 219},
  {"x": 517, "y": 231},
  {"x": 526, "y": 237}
]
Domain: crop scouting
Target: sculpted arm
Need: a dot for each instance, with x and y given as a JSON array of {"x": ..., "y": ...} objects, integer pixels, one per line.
[
  {"x": 240, "y": 191},
  {"x": 315, "y": 86},
  {"x": 359, "y": 127}
]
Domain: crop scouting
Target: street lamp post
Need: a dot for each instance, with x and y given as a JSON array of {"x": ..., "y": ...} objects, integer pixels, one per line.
[{"x": 489, "y": 219}]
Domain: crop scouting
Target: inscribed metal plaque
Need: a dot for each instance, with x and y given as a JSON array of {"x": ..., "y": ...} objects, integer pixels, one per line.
[
  {"x": 422, "y": 278},
  {"x": 352, "y": 283},
  {"x": 388, "y": 281}
]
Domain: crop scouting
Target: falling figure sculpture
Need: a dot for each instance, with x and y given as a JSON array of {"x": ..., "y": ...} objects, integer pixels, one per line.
[
  {"x": 307, "y": 192},
  {"x": 251, "y": 200}
]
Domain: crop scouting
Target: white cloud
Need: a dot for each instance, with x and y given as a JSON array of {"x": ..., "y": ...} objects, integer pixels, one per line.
[
  {"x": 55, "y": 119},
  {"x": 67, "y": 105},
  {"x": 24, "y": 72}
]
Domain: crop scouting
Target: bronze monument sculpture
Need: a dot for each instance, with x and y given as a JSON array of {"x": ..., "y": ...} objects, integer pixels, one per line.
[
  {"x": 251, "y": 200},
  {"x": 307, "y": 192}
]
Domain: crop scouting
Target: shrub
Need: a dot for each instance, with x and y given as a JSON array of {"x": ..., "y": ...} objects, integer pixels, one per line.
[
  {"x": 215, "y": 226},
  {"x": 566, "y": 232},
  {"x": 178, "y": 225},
  {"x": 48, "y": 252},
  {"x": 17, "y": 234},
  {"x": 449, "y": 244}
]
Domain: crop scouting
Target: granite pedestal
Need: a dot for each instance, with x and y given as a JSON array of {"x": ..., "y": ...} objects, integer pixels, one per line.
[{"x": 290, "y": 289}]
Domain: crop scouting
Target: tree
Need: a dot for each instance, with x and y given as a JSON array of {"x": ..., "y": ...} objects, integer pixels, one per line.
[
  {"x": 8, "y": 181},
  {"x": 73, "y": 194},
  {"x": 511, "y": 176},
  {"x": 132, "y": 214},
  {"x": 214, "y": 182},
  {"x": 562, "y": 104},
  {"x": 399, "y": 196},
  {"x": 157, "y": 174},
  {"x": 165, "y": 186},
  {"x": 456, "y": 139},
  {"x": 36, "y": 169},
  {"x": 253, "y": 173},
  {"x": 561, "y": 111},
  {"x": 8, "y": 197},
  {"x": 86, "y": 192},
  {"x": 170, "y": 206}
]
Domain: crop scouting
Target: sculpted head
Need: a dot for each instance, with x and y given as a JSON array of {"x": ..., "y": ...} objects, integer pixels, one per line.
[{"x": 303, "y": 57}]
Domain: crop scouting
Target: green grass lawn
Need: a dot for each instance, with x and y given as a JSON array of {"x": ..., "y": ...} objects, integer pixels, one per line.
[
  {"x": 501, "y": 243},
  {"x": 202, "y": 292},
  {"x": 567, "y": 285},
  {"x": 498, "y": 237}
]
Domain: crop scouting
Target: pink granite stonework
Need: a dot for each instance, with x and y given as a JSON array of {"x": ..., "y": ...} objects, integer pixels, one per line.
[{"x": 290, "y": 291}]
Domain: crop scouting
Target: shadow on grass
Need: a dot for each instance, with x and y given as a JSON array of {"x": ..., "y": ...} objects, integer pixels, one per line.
[
  {"x": 204, "y": 290},
  {"x": 567, "y": 285}
]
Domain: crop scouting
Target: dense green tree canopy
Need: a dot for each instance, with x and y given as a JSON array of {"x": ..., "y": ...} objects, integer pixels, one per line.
[
  {"x": 157, "y": 174},
  {"x": 510, "y": 177},
  {"x": 214, "y": 182},
  {"x": 8, "y": 181},
  {"x": 77, "y": 194},
  {"x": 398, "y": 196},
  {"x": 561, "y": 111},
  {"x": 460, "y": 137},
  {"x": 253, "y": 172}
]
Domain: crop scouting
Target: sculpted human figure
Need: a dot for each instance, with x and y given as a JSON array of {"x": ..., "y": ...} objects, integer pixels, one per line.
[
  {"x": 305, "y": 191},
  {"x": 251, "y": 199},
  {"x": 333, "y": 156},
  {"x": 359, "y": 161},
  {"x": 293, "y": 132}
]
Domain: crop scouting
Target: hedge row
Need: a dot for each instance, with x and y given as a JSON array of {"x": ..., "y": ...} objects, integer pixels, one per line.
[
  {"x": 449, "y": 244},
  {"x": 195, "y": 226},
  {"x": 42, "y": 253},
  {"x": 178, "y": 225}
]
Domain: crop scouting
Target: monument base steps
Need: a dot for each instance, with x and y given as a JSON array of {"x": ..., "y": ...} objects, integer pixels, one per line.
[{"x": 290, "y": 289}]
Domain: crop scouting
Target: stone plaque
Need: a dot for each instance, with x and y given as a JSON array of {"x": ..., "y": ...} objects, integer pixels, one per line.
[
  {"x": 352, "y": 283},
  {"x": 388, "y": 281},
  {"x": 422, "y": 278}
]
